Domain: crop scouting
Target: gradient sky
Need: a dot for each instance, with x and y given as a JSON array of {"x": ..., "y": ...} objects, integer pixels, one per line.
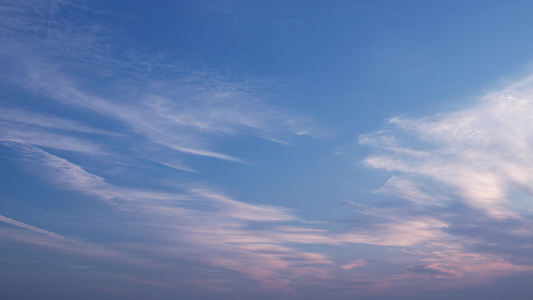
[{"x": 238, "y": 149}]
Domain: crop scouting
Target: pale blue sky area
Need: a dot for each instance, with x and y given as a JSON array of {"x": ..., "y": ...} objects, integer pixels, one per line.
[{"x": 266, "y": 149}]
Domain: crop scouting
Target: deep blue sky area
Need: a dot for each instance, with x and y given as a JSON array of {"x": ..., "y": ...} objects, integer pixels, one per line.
[{"x": 238, "y": 149}]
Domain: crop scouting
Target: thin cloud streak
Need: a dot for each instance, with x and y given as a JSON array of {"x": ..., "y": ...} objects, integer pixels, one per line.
[
  {"x": 355, "y": 264},
  {"x": 29, "y": 227},
  {"x": 58, "y": 170}
]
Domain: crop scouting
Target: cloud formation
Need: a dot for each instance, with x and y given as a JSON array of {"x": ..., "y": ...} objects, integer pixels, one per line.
[
  {"x": 29, "y": 227},
  {"x": 471, "y": 171},
  {"x": 480, "y": 152},
  {"x": 183, "y": 112},
  {"x": 456, "y": 191},
  {"x": 89, "y": 119},
  {"x": 186, "y": 221}
]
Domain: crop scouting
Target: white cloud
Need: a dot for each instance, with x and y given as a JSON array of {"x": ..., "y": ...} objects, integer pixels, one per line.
[
  {"x": 236, "y": 209},
  {"x": 57, "y": 170},
  {"x": 172, "y": 113},
  {"x": 181, "y": 109},
  {"x": 467, "y": 177},
  {"x": 480, "y": 153},
  {"x": 43, "y": 121},
  {"x": 29, "y": 227},
  {"x": 411, "y": 190},
  {"x": 400, "y": 233},
  {"x": 354, "y": 264}
]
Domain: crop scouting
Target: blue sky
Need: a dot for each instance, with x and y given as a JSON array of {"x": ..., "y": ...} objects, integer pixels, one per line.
[{"x": 266, "y": 149}]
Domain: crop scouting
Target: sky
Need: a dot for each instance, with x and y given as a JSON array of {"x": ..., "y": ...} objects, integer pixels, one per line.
[{"x": 239, "y": 149}]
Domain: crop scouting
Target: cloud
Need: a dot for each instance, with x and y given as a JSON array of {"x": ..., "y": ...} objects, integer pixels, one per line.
[
  {"x": 50, "y": 140},
  {"x": 197, "y": 224},
  {"x": 480, "y": 153},
  {"x": 469, "y": 173},
  {"x": 354, "y": 264},
  {"x": 258, "y": 241},
  {"x": 29, "y": 227},
  {"x": 88, "y": 97},
  {"x": 57, "y": 170},
  {"x": 414, "y": 190},
  {"x": 49, "y": 131},
  {"x": 181, "y": 110},
  {"x": 68, "y": 246},
  {"x": 430, "y": 270},
  {"x": 455, "y": 173},
  {"x": 43, "y": 121},
  {"x": 96, "y": 100},
  {"x": 239, "y": 210},
  {"x": 400, "y": 233}
]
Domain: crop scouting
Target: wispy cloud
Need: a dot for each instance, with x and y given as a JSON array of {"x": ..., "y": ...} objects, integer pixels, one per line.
[
  {"x": 470, "y": 170},
  {"x": 132, "y": 117},
  {"x": 400, "y": 233},
  {"x": 459, "y": 192},
  {"x": 174, "y": 114},
  {"x": 354, "y": 264},
  {"x": 57, "y": 170},
  {"x": 66, "y": 245},
  {"x": 194, "y": 219},
  {"x": 184, "y": 111},
  {"x": 480, "y": 152},
  {"x": 29, "y": 227},
  {"x": 258, "y": 241},
  {"x": 123, "y": 112}
]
